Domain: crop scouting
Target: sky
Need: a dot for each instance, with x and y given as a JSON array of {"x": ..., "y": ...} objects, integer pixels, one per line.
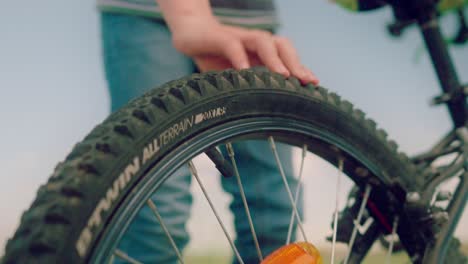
[{"x": 54, "y": 90}]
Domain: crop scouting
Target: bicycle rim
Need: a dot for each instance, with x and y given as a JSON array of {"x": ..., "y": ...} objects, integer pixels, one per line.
[{"x": 283, "y": 130}]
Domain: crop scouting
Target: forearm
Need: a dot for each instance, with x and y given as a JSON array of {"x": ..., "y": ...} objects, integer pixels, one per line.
[{"x": 179, "y": 13}]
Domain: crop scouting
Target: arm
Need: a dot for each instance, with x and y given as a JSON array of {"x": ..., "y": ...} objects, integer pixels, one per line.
[
  {"x": 197, "y": 33},
  {"x": 178, "y": 12}
]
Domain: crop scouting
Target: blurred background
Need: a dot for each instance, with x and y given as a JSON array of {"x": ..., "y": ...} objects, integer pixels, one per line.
[{"x": 53, "y": 90}]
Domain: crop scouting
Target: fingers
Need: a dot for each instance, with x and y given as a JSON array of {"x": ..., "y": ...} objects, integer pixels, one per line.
[
  {"x": 212, "y": 63},
  {"x": 235, "y": 52},
  {"x": 244, "y": 48},
  {"x": 288, "y": 55},
  {"x": 262, "y": 44},
  {"x": 314, "y": 78},
  {"x": 278, "y": 54}
]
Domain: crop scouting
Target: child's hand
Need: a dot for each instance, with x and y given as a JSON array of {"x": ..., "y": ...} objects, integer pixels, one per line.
[{"x": 215, "y": 46}]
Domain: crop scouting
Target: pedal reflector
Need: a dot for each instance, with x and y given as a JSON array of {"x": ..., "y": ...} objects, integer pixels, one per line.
[{"x": 296, "y": 253}]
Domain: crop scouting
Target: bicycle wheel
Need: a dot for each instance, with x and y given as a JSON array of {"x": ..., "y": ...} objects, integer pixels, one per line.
[{"x": 81, "y": 214}]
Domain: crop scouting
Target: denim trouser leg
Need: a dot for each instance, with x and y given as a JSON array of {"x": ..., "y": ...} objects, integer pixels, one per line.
[
  {"x": 266, "y": 195},
  {"x": 138, "y": 55}
]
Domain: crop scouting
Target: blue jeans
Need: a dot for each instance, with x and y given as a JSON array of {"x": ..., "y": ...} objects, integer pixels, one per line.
[{"x": 138, "y": 55}]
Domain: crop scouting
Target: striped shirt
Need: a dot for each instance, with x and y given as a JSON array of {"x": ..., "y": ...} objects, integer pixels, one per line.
[{"x": 247, "y": 13}]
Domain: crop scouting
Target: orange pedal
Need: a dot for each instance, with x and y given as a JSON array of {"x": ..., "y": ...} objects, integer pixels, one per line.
[{"x": 296, "y": 253}]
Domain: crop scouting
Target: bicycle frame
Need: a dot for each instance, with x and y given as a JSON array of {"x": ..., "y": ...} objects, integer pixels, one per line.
[{"x": 455, "y": 143}]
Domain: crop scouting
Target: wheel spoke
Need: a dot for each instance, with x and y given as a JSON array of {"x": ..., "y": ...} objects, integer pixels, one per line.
[
  {"x": 357, "y": 221},
  {"x": 111, "y": 259},
  {"x": 392, "y": 240},
  {"x": 202, "y": 187},
  {"x": 298, "y": 190},
  {"x": 244, "y": 199},
  {"x": 335, "y": 218},
  {"x": 291, "y": 199},
  {"x": 124, "y": 256},
  {"x": 153, "y": 208}
]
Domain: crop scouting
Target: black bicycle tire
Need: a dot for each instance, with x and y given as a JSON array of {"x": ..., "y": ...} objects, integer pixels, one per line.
[{"x": 56, "y": 220}]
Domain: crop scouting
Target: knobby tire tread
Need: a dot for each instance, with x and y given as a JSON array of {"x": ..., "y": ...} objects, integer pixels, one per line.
[{"x": 69, "y": 196}]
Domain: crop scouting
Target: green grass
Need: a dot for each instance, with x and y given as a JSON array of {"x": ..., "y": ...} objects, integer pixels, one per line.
[
  {"x": 224, "y": 259},
  {"x": 464, "y": 248},
  {"x": 374, "y": 257},
  {"x": 208, "y": 259}
]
